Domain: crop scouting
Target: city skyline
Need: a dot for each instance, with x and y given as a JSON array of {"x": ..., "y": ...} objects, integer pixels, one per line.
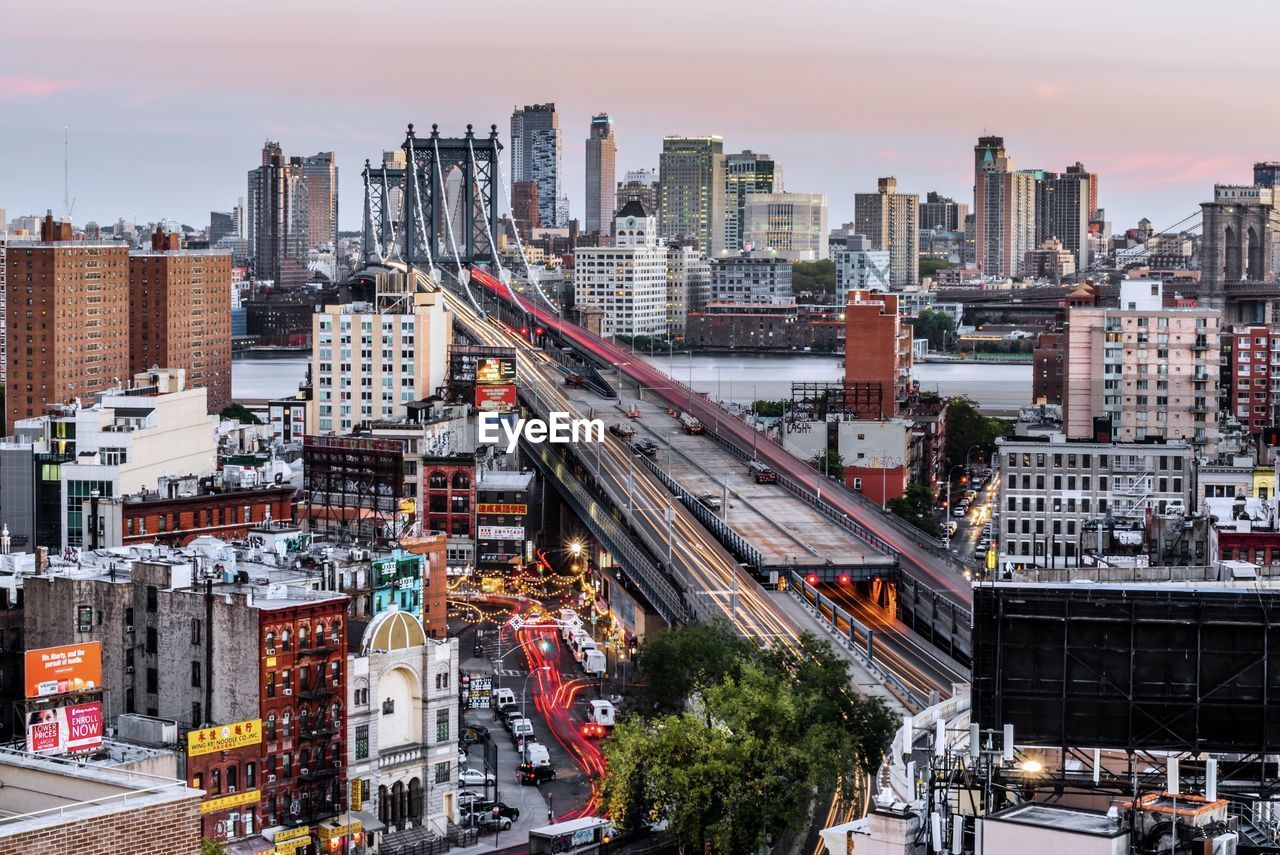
[{"x": 1051, "y": 108}]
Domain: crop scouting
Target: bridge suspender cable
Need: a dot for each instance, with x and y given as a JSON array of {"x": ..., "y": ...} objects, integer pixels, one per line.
[
  {"x": 419, "y": 222},
  {"x": 464, "y": 275},
  {"x": 515, "y": 229},
  {"x": 493, "y": 245}
]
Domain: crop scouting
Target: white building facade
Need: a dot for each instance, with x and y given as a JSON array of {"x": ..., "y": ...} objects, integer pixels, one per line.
[{"x": 628, "y": 280}]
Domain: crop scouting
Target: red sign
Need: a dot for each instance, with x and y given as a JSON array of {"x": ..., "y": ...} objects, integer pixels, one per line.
[
  {"x": 501, "y": 397},
  {"x": 65, "y": 729}
]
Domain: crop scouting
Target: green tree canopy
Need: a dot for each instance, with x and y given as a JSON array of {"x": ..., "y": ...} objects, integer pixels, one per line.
[
  {"x": 916, "y": 507},
  {"x": 240, "y": 413},
  {"x": 938, "y": 327},
  {"x": 830, "y": 463},
  {"x": 968, "y": 429},
  {"x": 814, "y": 279},
  {"x": 930, "y": 266}
]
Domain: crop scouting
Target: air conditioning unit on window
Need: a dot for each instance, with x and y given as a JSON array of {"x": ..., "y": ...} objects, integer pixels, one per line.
[
  {"x": 305, "y": 771},
  {"x": 271, "y": 779},
  {"x": 288, "y": 691},
  {"x": 129, "y": 628},
  {"x": 335, "y": 681},
  {"x": 128, "y": 669},
  {"x": 231, "y": 788}
]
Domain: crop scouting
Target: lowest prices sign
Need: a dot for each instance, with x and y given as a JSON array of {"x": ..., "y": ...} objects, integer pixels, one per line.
[{"x": 65, "y": 730}]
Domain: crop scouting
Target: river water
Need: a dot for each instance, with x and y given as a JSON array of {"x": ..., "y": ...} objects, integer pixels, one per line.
[{"x": 739, "y": 378}]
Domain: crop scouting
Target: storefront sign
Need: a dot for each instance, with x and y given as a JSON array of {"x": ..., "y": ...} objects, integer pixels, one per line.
[
  {"x": 327, "y": 832},
  {"x": 500, "y": 532},
  {"x": 224, "y": 737},
  {"x": 504, "y": 508},
  {"x": 58, "y": 670},
  {"x": 248, "y": 797}
]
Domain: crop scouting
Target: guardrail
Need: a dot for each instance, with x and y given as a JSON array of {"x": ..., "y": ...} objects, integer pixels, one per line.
[
  {"x": 728, "y": 537},
  {"x": 853, "y": 636}
]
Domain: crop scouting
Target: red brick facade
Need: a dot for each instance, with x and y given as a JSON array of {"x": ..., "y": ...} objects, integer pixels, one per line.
[
  {"x": 166, "y": 829},
  {"x": 228, "y": 516}
]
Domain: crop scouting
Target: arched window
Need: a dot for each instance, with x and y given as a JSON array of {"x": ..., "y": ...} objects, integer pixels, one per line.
[
  {"x": 335, "y": 630},
  {"x": 271, "y": 641},
  {"x": 415, "y": 800},
  {"x": 319, "y": 635},
  {"x": 337, "y": 714},
  {"x": 284, "y": 639},
  {"x": 271, "y": 725},
  {"x": 302, "y": 638},
  {"x": 284, "y": 724},
  {"x": 461, "y": 480},
  {"x": 437, "y": 480},
  {"x": 384, "y": 806}
]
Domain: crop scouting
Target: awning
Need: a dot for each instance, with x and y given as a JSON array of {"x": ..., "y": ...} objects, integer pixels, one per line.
[
  {"x": 250, "y": 846},
  {"x": 368, "y": 820}
]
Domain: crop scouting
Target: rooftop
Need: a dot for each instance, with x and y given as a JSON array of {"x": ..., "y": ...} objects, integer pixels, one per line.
[{"x": 1061, "y": 819}]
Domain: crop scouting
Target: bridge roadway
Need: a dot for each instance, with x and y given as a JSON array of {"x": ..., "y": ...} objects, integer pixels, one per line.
[
  {"x": 712, "y": 577},
  {"x": 787, "y": 532},
  {"x": 926, "y": 562}
]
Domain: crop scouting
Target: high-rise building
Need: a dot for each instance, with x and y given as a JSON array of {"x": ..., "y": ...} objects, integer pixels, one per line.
[
  {"x": 180, "y": 316},
  {"x": 1004, "y": 209},
  {"x": 1062, "y": 211},
  {"x": 221, "y": 224},
  {"x": 369, "y": 361},
  {"x": 1253, "y": 402},
  {"x": 688, "y": 286},
  {"x": 278, "y": 221},
  {"x": 602, "y": 174},
  {"x": 1050, "y": 260},
  {"x": 942, "y": 213},
  {"x": 1078, "y": 169},
  {"x": 536, "y": 156},
  {"x": 1143, "y": 371},
  {"x": 69, "y": 306},
  {"x": 754, "y": 277},
  {"x": 320, "y": 176},
  {"x": 859, "y": 267},
  {"x": 891, "y": 221},
  {"x": 745, "y": 173},
  {"x": 639, "y": 185},
  {"x": 524, "y": 208},
  {"x": 627, "y": 281},
  {"x": 791, "y": 226},
  {"x": 691, "y": 191}
]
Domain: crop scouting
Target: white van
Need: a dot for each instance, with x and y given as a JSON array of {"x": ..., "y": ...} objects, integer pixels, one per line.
[
  {"x": 569, "y": 621},
  {"x": 521, "y": 728},
  {"x": 593, "y": 660},
  {"x": 536, "y": 754},
  {"x": 601, "y": 713},
  {"x": 584, "y": 646},
  {"x": 503, "y": 696}
]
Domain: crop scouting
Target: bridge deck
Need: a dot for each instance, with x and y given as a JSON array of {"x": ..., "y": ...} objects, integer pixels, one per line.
[{"x": 787, "y": 531}]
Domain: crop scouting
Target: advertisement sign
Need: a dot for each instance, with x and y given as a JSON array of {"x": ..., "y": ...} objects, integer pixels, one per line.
[
  {"x": 504, "y": 508},
  {"x": 224, "y": 737},
  {"x": 496, "y": 397},
  {"x": 479, "y": 690},
  {"x": 495, "y": 369},
  {"x": 65, "y": 729},
  {"x": 248, "y": 797},
  {"x": 500, "y": 532},
  {"x": 58, "y": 670}
]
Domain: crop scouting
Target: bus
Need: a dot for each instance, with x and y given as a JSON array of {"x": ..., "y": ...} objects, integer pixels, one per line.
[
  {"x": 690, "y": 424},
  {"x": 585, "y": 835},
  {"x": 763, "y": 474}
]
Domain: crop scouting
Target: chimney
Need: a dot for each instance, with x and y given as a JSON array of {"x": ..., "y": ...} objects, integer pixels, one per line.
[
  {"x": 161, "y": 242},
  {"x": 51, "y": 230},
  {"x": 42, "y": 559}
]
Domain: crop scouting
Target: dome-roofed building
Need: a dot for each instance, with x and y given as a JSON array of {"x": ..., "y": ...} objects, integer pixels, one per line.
[{"x": 403, "y": 727}]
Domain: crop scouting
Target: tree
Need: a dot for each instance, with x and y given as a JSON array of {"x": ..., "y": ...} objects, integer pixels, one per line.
[
  {"x": 770, "y": 409},
  {"x": 916, "y": 507},
  {"x": 830, "y": 463},
  {"x": 814, "y": 278},
  {"x": 674, "y": 664},
  {"x": 930, "y": 266},
  {"x": 938, "y": 327},
  {"x": 209, "y": 846},
  {"x": 239, "y": 413},
  {"x": 968, "y": 429},
  {"x": 739, "y": 759}
]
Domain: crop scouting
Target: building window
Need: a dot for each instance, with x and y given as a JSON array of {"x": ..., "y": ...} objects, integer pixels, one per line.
[
  {"x": 197, "y": 716},
  {"x": 195, "y": 675},
  {"x": 153, "y": 640},
  {"x": 362, "y": 742},
  {"x": 153, "y": 681},
  {"x": 195, "y": 630},
  {"x": 84, "y": 619},
  {"x": 152, "y": 598},
  {"x": 442, "y": 773},
  {"x": 442, "y": 725}
]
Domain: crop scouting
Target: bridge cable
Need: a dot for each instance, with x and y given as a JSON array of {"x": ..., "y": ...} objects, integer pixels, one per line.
[
  {"x": 530, "y": 274},
  {"x": 463, "y": 277},
  {"x": 419, "y": 221},
  {"x": 505, "y": 279}
]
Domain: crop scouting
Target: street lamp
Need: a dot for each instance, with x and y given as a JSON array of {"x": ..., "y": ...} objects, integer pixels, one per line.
[
  {"x": 524, "y": 689},
  {"x": 540, "y": 640}
]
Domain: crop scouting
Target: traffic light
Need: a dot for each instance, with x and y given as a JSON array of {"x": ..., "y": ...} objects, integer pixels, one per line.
[
  {"x": 844, "y": 579},
  {"x": 812, "y": 578}
]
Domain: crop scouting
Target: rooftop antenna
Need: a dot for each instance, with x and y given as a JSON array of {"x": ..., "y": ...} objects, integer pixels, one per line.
[{"x": 68, "y": 204}]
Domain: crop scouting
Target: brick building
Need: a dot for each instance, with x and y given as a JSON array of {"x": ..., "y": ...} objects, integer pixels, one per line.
[
  {"x": 176, "y": 521},
  {"x": 878, "y": 347},
  {"x": 1254, "y": 350},
  {"x": 67, "y": 320},
  {"x": 756, "y": 327},
  {"x": 180, "y": 315},
  {"x": 1049, "y": 368}
]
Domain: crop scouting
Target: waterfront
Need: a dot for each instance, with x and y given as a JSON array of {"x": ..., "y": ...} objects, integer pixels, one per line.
[{"x": 730, "y": 377}]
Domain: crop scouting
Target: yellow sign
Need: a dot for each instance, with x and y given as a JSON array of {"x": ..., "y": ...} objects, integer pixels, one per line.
[
  {"x": 408, "y": 506},
  {"x": 224, "y": 737},
  {"x": 334, "y": 832},
  {"x": 992, "y": 555},
  {"x": 293, "y": 835},
  {"x": 502, "y": 508},
  {"x": 248, "y": 797},
  {"x": 357, "y": 795},
  {"x": 289, "y": 847}
]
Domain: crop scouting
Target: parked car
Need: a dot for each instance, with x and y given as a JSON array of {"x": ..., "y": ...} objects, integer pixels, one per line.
[
  {"x": 527, "y": 773},
  {"x": 475, "y": 778},
  {"x": 711, "y": 501},
  {"x": 469, "y": 797},
  {"x": 950, "y": 527},
  {"x": 960, "y": 511},
  {"x": 487, "y": 822},
  {"x": 504, "y": 809}
]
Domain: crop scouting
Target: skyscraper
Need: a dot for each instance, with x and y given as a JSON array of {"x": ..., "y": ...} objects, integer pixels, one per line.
[
  {"x": 745, "y": 173},
  {"x": 691, "y": 191},
  {"x": 535, "y": 156},
  {"x": 639, "y": 185},
  {"x": 1078, "y": 169},
  {"x": 1062, "y": 211},
  {"x": 278, "y": 238},
  {"x": 627, "y": 280},
  {"x": 1004, "y": 209},
  {"x": 602, "y": 174},
  {"x": 942, "y": 213},
  {"x": 891, "y": 221},
  {"x": 320, "y": 172}
]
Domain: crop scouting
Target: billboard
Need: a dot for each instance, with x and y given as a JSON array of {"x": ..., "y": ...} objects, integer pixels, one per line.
[
  {"x": 64, "y": 730},
  {"x": 504, "y": 508},
  {"x": 58, "y": 670},
  {"x": 500, "y": 532},
  {"x": 224, "y": 737},
  {"x": 495, "y": 369},
  {"x": 496, "y": 397}
]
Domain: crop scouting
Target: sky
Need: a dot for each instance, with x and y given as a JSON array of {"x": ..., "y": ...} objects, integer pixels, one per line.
[{"x": 167, "y": 104}]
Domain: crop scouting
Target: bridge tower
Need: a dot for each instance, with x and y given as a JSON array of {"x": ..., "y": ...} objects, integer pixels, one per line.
[
  {"x": 438, "y": 219},
  {"x": 383, "y": 204}
]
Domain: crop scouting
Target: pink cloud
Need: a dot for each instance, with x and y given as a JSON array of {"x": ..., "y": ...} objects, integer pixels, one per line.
[
  {"x": 888, "y": 154},
  {"x": 19, "y": 86},
  {"x": 1157, "y": 168}
]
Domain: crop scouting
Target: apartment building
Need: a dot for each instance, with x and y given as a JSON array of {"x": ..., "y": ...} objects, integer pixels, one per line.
[
  {"x": 627, "y": 280},
  {"x": 891, "y": 222}
]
